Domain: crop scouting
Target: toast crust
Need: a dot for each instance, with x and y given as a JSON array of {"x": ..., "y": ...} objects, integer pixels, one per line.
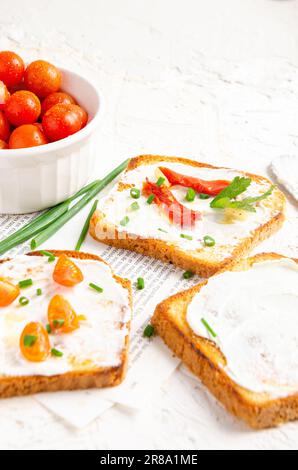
[
  {"x": 203, "y": 358},
  {"x": 171, "y": 254},
  {"x": 74, "y": 380}
]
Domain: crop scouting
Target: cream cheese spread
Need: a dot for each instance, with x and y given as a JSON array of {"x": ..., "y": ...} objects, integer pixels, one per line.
[
  {"x": 254, "y": 314},
  {"x": 98, "y": 342},
  {"x": 150, "y": 222}
]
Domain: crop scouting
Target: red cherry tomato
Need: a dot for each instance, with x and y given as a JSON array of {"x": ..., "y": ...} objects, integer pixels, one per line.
[
  {"x": 3, "y": 145},
  {"x": 60, "y": 121},
  {"x": 23, "y": 107},
  {"x": 56, "y": 98},
  {"x": 4, "y": 127},
  {"x": 38, "y": 125},
  {"x": 11, "y": 68},
  {"x": 42, "y": 78},
  {"x": 4, "y": 95},
  {"x": 28, "y": 135},
  {"x": 83, "y": 114}
]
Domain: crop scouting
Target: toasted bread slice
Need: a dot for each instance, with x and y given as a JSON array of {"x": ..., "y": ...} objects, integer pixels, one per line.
[
  {"x": 149, "y": 232},
  {"x": 229, "y": 378},
  {"x": 79, "y": 374}
]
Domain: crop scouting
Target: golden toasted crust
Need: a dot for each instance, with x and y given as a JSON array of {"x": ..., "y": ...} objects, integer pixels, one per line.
[
  {"x": 203, "y": 264},
  {"x": 74, "y": 380},
  {"x": 204, "y": 359}
]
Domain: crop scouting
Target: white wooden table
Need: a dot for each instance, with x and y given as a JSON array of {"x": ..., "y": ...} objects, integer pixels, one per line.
[{"x": 215, "y": 80}]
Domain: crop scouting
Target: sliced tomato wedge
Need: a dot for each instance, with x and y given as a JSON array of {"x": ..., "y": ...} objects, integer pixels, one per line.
[
  {"x": 62, "y": 317},
  {"x": 8, "y": 292},
  {"x": 201, "y": 186},
  {"x": 177, "y": 213},
  {"x": 66, "y": 272},
  {"x": 34, "y": 342}
]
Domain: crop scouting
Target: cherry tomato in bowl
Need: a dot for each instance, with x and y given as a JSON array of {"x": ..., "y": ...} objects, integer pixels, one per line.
[
  {"x": 3, "y": 145},
  {"x": 42, "y": 78},
  {"x": 4, "y": 127},
  {"x": 11, "y": 68},
  {"x": 39, "y": 125},
  {"x": 58, "y": 97},
  {"x": 74, "y": 156},
  {"x": 23, "y": 107},
  {"x": 60, "y": 121},
  {"x": 27, "y": 135},
  {"x": 4, "y": 95},
  {"x": 83, "y": 114}
]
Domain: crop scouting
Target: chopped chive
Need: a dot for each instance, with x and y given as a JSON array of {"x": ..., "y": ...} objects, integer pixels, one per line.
[
  {"x": 190, "y": 195},
  {"x": 150, "y": 199},
  {"x": 188, "y": 274},
  {"x": 160, "y": 181},
  {"x": 29, "y": 340},
  {"x": 48, "y": 328},
  {"x": 39, "y": 291},
  {"x": 135, "y": 193},
  {"x": 124, "y": 221},
  {"x": 204, "y": 196},
  {"x": 148, "y": 331},
  {"x": 50, "y": 255},
  {"x": 140, "y": 283},
  {"x": 56, "y": 353},
  {"x": 25, "y": 283},
  {"x": 58, "y": 322},
  {"x": 46, "y": 253},
  {"x": 23, "y": 301},
  {"x": 85, "y": 228},
  {"x": 134, "y": 206},
  {"x": 95, "y": 287},
  {"x": 208, "y": 327},
  {"x": 209, "y": 241},
  {"x": 187, "y": 237},
  {"x": 162, "y": 230}
]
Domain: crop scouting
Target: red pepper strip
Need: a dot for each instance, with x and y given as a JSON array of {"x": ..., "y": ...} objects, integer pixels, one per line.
[
  {"x": 201, "y": 186},
  {"x": 176, "y": 212}
]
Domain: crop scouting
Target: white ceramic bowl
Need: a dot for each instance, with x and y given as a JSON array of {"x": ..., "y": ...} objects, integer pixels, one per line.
[{"x": 35, "y": 178}]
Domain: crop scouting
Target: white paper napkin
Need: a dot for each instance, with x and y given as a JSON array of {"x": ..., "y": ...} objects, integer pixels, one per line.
[
  {"x": 144, "y": 378},
  {"x": 78, "y": 408}
]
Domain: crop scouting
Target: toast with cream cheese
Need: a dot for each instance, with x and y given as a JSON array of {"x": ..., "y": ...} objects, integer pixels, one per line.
[
  {"x": 176, "y": 210},
  {"x": 93, "y": 353},
  {"x": 238, "y": 333}
]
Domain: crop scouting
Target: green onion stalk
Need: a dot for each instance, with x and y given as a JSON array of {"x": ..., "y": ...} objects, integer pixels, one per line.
[
  {"x": 49, "y": 231},
  {"x": 49, "y": 222}
]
